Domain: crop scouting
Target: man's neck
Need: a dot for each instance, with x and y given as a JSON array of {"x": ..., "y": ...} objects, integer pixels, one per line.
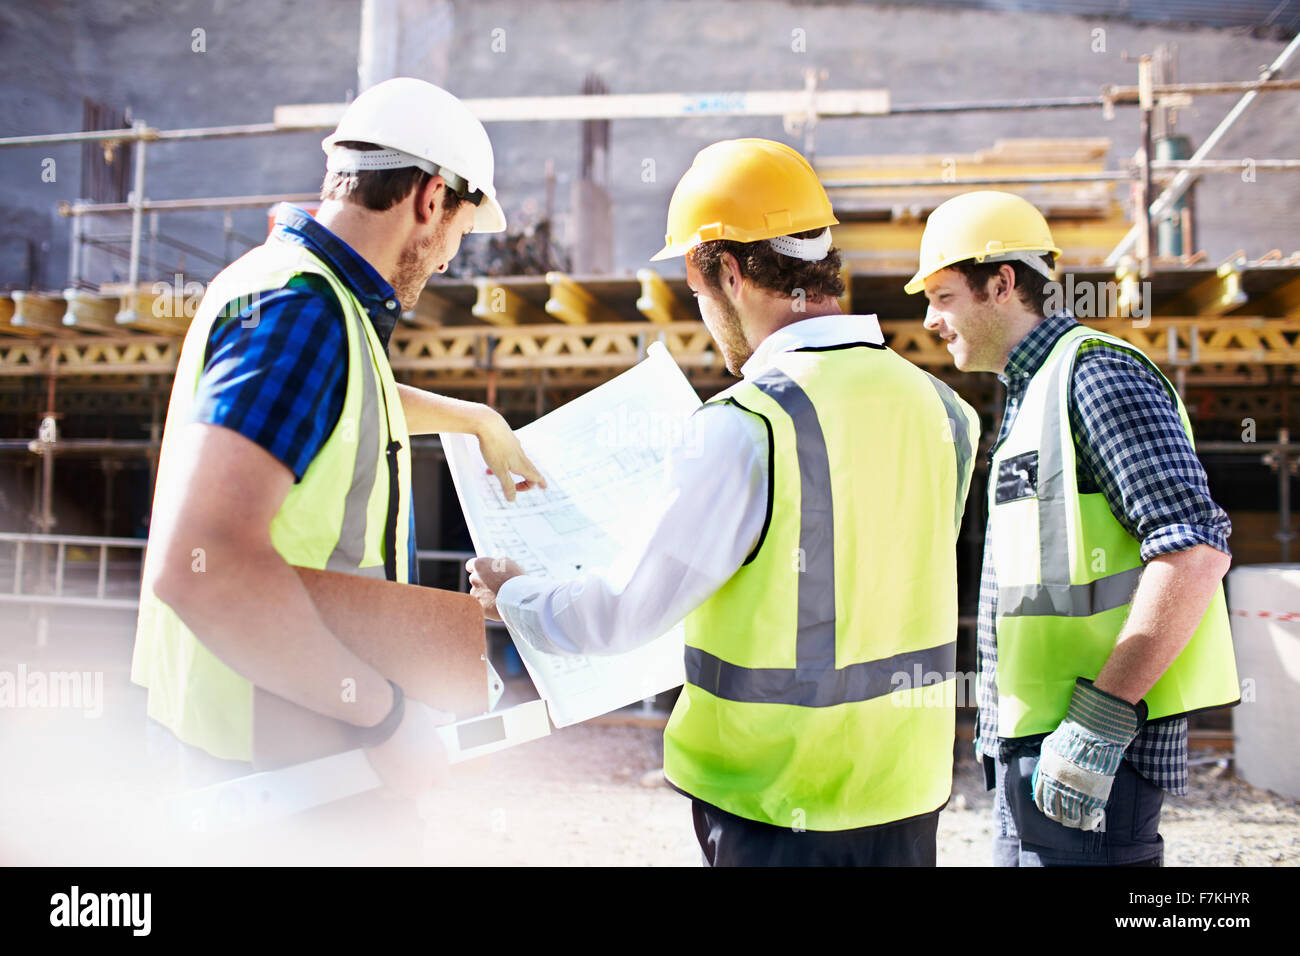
[
  {"x": 367, "y": 231},
  {"x": 783, "y": 314},
  {"x": 1024, "y": 322}
]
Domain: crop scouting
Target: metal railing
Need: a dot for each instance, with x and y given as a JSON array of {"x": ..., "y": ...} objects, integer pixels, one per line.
[
  {"x": 460, "y": 557},
  {"x": 60, "y": 579},
  {"x": 51, "y": 588}
]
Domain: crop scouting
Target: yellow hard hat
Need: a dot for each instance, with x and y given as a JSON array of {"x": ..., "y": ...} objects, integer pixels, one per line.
[
  {"x": 744, "y": 190},
  {"x": 987, "y": 226}
]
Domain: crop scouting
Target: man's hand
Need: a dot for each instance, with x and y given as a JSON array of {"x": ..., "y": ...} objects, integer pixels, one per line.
[
  {"x": 1080, "y": 757},
  {"x": 504, "y": 455},
  {"x": 486, "y": 575},
  {"x": 413, "y": 761},
  {"x": 427, "y": 412}
]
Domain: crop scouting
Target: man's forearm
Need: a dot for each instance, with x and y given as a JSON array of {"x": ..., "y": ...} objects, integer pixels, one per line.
[
  {"x": 250, "y": 609},
  {"x": 427, "y": 412},
  {"x": 1171, "y": 598}
]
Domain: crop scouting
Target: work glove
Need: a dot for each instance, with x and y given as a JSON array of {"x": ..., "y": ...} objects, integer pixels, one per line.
[{"x": 1080, "y": 757}]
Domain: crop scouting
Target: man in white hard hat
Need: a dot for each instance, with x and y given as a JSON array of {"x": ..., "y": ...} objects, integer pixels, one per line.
[
  {"x": 287, "y": 442},
  {"x": 808, "y": 538},
  {"x": 1101, "y": 621}
]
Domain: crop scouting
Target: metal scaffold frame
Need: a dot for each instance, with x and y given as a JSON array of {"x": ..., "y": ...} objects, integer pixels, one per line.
[
  {"x": 801, "y": 110},
  {"x": 507, "y": 336}
]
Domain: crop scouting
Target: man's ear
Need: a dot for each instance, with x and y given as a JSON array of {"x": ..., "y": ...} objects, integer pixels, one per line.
[
  {"x": 1004, "y": 284},
  {"x": 729, "y": 275},
  {"x": 428, "y": 200}
]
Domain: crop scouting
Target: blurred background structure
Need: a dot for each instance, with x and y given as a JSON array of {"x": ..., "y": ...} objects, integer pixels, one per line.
[{"x": 143, "y": 144}]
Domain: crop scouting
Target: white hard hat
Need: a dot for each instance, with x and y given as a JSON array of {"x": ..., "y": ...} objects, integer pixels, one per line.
[{"x": 419, "y": 124}]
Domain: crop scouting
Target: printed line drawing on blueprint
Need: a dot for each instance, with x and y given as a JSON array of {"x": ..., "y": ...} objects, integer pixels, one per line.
[{"x": 605, "y": 457}]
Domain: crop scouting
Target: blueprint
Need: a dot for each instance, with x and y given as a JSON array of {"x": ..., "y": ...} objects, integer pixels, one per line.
[{"x": 604, "y": 456}]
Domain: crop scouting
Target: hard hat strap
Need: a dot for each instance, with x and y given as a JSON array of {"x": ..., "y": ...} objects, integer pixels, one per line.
[
  {"x": 1034, "y": 260},
  {"x": 810, "y": 250},
  {"x": 343, "y": 159}
]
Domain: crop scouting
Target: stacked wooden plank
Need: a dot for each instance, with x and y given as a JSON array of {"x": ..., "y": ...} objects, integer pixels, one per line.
[{"x": 882, "y": 223}]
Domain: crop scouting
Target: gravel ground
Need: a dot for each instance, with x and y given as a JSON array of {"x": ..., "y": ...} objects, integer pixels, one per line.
[
  {"x": 585, "y": 790},
  {"x": 591, "y": 795},
  {"x": 80, "y": 791}
]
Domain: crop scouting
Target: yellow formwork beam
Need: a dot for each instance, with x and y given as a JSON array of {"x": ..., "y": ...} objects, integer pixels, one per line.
[
  {"x": 433, "y": 310},
  {"x": 38, "y": 312},
  {"x": 86, "y": 311},
  {"x": 159, "y": 309},
  {"x": 1283, "y": 301},
  {"x": 1214, "y": 295},
  {"x": 7, "y": 326},
  {"x": 499, "y": 304},
  {"x": 1236, "y": 342},
  {"x": 657, "y": 301},
  {"x": 1129, "y": 301},
  {"x": 846, "y": 300},
  {"x": 570, "y": 302}
]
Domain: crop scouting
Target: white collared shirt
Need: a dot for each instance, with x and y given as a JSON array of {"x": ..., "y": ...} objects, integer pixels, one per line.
[{"x": 697, "y": 536}]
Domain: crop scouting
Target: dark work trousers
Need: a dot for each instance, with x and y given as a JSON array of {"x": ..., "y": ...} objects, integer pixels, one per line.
[
  {"x": 729, "y": 840},
  {"x": 1023, "y": 836}
]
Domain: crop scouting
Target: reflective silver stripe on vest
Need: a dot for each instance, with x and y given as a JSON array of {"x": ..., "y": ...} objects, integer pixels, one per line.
[
  {"x": 350, "y": 549},
  {"x": 1055, "y": 595},
  {"x": 780, "y": 685},
  {"x": 814, "y": 681},
  {"x": 1053, "y": 514},
  {"x": 1069, "y": 600},
  {"x": 960, "y": 430}
]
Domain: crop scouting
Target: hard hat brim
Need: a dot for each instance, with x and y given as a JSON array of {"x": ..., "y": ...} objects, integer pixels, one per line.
[
  {"x": 489, "y": 217},
  {"x": 669, "y": 251},
  {"x": 917, "y": 282}
]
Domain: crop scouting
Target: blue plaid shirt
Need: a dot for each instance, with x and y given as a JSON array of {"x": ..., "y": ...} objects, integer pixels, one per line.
[
  {"x": 280, "y": 381},
  {"x": 1131, "y": 447}
]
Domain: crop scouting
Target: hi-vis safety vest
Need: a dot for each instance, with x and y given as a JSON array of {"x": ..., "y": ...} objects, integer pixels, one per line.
[
  {"x": 350, "y": 512},
  {"x": 1066, "y": 569},
  {"x": 819, "y": 677}
]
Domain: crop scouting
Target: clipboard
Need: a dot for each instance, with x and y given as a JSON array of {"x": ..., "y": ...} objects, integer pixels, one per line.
[
  {"x": 431, "y": 642},
  {"x": 258, "y": 799}
]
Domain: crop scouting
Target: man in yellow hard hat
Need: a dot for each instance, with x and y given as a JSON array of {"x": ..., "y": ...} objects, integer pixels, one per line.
[
  {"x": 808, "y": 539},
  {"x": 1101, "y": 616},
  {"x": 287, "y": 443}
]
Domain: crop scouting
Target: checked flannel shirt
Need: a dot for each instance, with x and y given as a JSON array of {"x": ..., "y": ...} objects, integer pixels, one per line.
[{"x": 280, "y": 382}]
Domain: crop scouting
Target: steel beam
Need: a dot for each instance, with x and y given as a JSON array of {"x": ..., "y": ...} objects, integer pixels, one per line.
[
  {"x": 657, "y": 302},
  {"x": 570, "y": 302}
]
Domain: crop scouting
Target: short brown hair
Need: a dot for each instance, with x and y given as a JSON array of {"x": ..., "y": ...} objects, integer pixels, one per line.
[
  {"x": 1031, "y": 285},
  {"x": 381, "y": 189},
  {"x": 769, "y": 269}
]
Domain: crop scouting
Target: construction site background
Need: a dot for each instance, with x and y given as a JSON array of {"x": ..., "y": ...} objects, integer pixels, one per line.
[
  {"x": 255, "y": 56},
  {"x": 81, "y": 401}
]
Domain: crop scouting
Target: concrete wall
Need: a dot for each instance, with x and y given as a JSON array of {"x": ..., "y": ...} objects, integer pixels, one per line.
[
  {"x": 140, "y": 53},
  {"x": 261, "y": 54}
]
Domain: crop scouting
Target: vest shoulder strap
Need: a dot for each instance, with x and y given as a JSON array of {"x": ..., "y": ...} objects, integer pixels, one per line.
[{"x": 235, "y": 307}]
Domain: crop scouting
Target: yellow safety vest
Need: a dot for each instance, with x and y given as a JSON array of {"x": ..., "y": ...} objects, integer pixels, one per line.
[
  {"x": 354, "y": 495},
  {"x": 820, "y": 676},
  {"x": 1067, "y": 569}
]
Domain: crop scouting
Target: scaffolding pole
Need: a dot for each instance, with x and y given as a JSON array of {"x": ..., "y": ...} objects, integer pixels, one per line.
[{"x": 1174, "y": 191}]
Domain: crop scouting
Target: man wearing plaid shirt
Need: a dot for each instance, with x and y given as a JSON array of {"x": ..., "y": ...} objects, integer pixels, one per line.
[{"x": 1090, "y": 791}]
